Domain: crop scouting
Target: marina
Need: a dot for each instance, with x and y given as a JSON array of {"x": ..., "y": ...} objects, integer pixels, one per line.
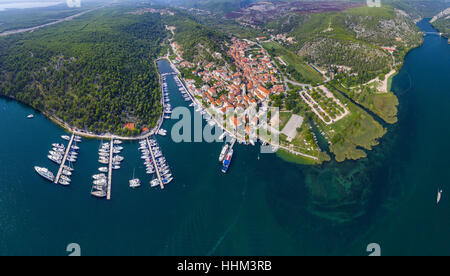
[
  {"x": 260, "y": 206},
  {"x": 154, "y": 162},
  {"x": 67, "y": 157}
]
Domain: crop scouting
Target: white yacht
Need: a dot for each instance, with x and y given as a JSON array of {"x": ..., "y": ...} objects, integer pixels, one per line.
[
  {"x": 223, "y": 153},
  {"x": 45, "y": 173}
]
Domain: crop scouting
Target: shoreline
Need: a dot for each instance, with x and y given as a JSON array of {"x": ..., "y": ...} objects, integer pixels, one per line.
[
  {"x": 72, "y": 129},
  {"x": 287, "y": 150}
]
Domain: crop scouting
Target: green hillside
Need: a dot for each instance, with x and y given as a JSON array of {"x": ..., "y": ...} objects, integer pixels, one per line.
[{"x": 96, "y": 72}]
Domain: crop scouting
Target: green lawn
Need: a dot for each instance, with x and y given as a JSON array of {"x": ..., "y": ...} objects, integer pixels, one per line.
[{"x": 292, "y": 59}]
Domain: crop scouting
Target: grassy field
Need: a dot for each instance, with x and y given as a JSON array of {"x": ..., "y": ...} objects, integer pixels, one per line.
[
  {"x": 292, "y": 59},
  {"x": 352, "y": 135},
  {"x": 382, "y": 104}
]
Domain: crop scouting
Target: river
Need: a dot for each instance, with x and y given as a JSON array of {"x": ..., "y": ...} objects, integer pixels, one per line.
[{"x": 262, "y": 206}]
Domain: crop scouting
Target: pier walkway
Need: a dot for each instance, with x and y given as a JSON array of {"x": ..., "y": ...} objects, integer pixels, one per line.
[
  {"x": 111, "y": 148},
  {"x": 61, "y": 167},
  {"x": 154, "y": 162}
]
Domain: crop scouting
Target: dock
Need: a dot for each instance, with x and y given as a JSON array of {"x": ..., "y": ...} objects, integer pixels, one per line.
[
  {"x": 156, "y": 167},
  {"x": 111, "y": 148},
  {"x": 232, "y": 143},
  {"x": 61, "y": 167}
]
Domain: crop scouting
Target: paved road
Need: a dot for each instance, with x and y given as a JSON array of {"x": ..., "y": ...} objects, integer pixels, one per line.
[{"x": 18, "y": 31}]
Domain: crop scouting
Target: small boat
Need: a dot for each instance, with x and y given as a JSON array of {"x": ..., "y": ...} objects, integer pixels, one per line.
[
  {"x": 103, "y": 161},
  {"x": 56, "y": 154},
  {"x": 99, "y": 194},
  {"x": 166, "y": 176},
  {"x": 100, "y": 181},
  {"x": 56, "y": 145},
  {"x": 31, "y": 116},
  {"x": 167, "y": 181},
  {"x": 135, "y": 182},
  {"x": 99, "y": 176},
  {"x": 72, "y": 159},
  {"x": 117, "y": 142},
  {"x": 103, "y": 169},
  {"x": 65, "y": 137},
  {"x": 118, "y": 158},
  {"x": 439, "y": 196},
  {"x": 54, "y": 159},
  {"x": 68, "y": 168},
  {"x": 65, "y": 178},
  {"x": 116, "y": 167},
  {"x": 66, "y": 172},
  {"x": 64, "y": 182},
  {"x": 154, "y": 183}
]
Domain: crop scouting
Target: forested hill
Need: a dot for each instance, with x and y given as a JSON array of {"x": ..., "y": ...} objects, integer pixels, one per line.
[
  {"x": 96, "y": 72},
  {"x": 352, "y": 38},
  {"x": 197, "y": 40},
  {"x": 443, "y": 25},
  {"x": 442, "y": 22}
]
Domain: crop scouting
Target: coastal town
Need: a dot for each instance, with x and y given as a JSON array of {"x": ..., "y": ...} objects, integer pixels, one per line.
[{"x": 239, "y": 97}]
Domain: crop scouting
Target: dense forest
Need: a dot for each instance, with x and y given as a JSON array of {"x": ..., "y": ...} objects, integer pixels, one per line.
[
  {"x": 96, "y": 72},
  {"x": 198, "y": 41}
]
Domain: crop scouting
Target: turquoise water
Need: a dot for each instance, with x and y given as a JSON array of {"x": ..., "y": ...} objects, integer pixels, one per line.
[{"x": 260, "y": 207}]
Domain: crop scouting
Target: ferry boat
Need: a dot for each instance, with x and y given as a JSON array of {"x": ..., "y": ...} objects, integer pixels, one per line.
[
  {"x": 227, "y": 161},
  {"x": 45, "y": 173},
  {"x": 223, "y": 152}
]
